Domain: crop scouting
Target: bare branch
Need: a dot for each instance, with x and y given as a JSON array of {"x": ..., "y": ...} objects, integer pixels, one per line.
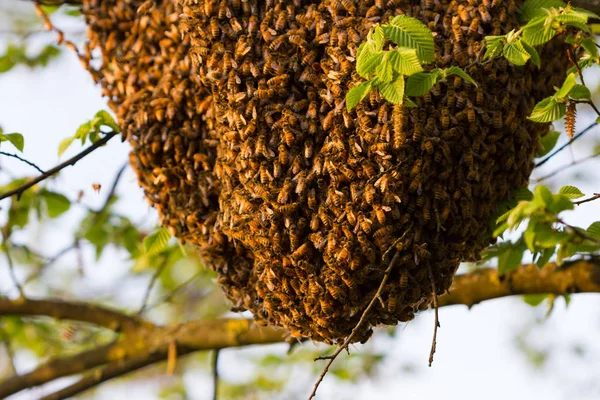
[
  {"x": 71, "y": 161},
  {"x": 41, "y": 171},
  {"x": 215, "y": 374},
  {"x": 562, "y": 169},
  {"x": 564, "y": 146},
  {"x": 596, "y": 196}
]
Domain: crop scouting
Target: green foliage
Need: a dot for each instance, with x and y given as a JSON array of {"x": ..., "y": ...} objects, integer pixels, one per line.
[
  {"x": 16, "y": 139},
  {"x": 156, "y": 241},
  {"x": 90, "y": 130},
  {"x": 386, "y": 70},
  {"x": 554, "y": 107},
  {"x": 17, "y": 55},
  {"x": 547, "y": 143}
]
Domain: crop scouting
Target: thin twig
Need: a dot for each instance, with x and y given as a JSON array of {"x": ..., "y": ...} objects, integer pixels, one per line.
[
  {"x": 561, "y": 169},
  {"x": 50, "y": 261},
  {"x": 175, "y": 291},
  {"x": 113, "y": 188},
  {"x": 9, "y": 352},
  {"x": 564, "y": 146},
  {"x": 346, "y": 342},
  {"x": 436, "y": 318},
  {"x": 71, "y": 161},
  {"x": 11, "y": 268},
  {"x": 572, "y": 59},
  {"x": 41, "y": 171},
  {"x": 596, "y": 196},
  {"x": 215, "y": 374},
  {"x": 155, "y": 276}
]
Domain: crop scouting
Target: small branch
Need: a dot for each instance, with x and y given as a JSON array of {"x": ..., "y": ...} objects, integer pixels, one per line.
[
  {"x": 215, "y": 374},
  {"x": 50, "y": 261},
  {"x": 575, "y": 63},
  {"x": 41, "y": 171},
  {"x": 176, "y": 290},
  {"x": 356, "y": 327},
  {"x": 76, "y": 311},
  {"x": 155, "y": 276},
  {"x": 561, "y": 169},
  {"x": 436, "y": 320},
  {"x": 564, "y": 146},
  {"x": 71, "y": 161},
  {"x": 11, "y": 268},
  {"x": 590, "y": 103},
  {"x": 113, "y": 187},
  {"x": 596, "y": 196}
]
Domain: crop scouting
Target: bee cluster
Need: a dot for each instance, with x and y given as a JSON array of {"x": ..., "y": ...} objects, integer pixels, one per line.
[
  {"x": 242, "y": 141},
  {"x": 166, "y": 114}
]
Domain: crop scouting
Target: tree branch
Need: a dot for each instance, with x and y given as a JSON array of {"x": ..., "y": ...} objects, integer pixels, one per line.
[
  {"x": 143, "y": 343},
  {"x": 71, "y": 161},
  {"x": 83, "y": 312}
]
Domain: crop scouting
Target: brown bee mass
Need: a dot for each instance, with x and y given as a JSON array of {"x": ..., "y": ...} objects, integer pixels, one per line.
[{"x": 242, "y": 141}]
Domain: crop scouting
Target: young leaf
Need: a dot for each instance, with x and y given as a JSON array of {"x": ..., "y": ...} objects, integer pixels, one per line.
[
  {"x": 378, "y": 37},
  {"x": 515, "y": 53},
  {"x": 566, "y": 88},
  {"x": 156, "y": 241},
  {"x": 494, "y": 46},
  {"x": 536, "y": 32},
  {"x": 545, "y": 256},
  {"x": 594, "y": 230},
  {"x": 571, "y": 192},
  {"x": 357, "y": 94},
  {"x": 547, "y": 143},
  {"x": 509, "y": 259},
  {"x": 405, "y": 61},
  {"x": 583, "y": 63},
  {"x": 384, "y": 69},
  {"x": 15, "y": 138},
  {"x": 394, "y": 91},
  {"x": 408, "y": 103},
  {"x": 590, "y": 47},
  {"x": 547, "y": 110},
  {"x": 367, "y": 59},
  {"x": 535, "y": 57},
  {"x": 534, "y": 300},
  {"x": 420, "y": 83},
  {"x": 579, "y": 92},
  {"x": 56, "y": 203},
  {"x": 454, "y": 70},
  {"x": 107, "y": 120},
  {"x": 535, "y": 8},
  {"x": 409, "y": 32},
  {"x": 64, "y": 145}
]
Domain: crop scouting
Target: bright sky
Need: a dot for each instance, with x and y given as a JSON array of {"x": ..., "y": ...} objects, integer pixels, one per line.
[{"x": 477, "y": 356}]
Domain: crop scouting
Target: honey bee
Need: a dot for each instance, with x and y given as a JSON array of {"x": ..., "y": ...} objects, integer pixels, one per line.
[
  {"x": 418, "y": 132},
  {"x": 215, "y": 30},
  {"x": 458, "y": 34},
  {"x": 497, "y": 120},
  {"x": 474, "y": 26},
  {"x": 351, "y": 283},
  {"x": 484, "y": 13}
]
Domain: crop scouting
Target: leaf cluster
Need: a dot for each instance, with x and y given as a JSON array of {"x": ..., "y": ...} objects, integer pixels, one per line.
[{"x": 90, "y": 130}]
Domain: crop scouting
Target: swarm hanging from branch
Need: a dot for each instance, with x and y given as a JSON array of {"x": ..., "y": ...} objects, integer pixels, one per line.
[{"x": 249, "y": 153}]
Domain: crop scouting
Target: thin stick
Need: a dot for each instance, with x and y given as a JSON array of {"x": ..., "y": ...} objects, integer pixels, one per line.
[
  {"x": 215, "y": 374},
  {"x": 155, "y": 276},
  {"x": 71, "y": 161},
  {"x": 572, "y": 59},
  {"x": 561, "y": 169},
  {"x": 344, "y": 345},
  {"x": 41, "y": 171},
  {"x": 175, "y": 291},
  {"x": 596, "y": 196},
  {"x": 436, "y": 318},
  {"x": 113, "y": 188},
  {"x": 11, "y": 269},
  {"x": 564, "y": 146}
]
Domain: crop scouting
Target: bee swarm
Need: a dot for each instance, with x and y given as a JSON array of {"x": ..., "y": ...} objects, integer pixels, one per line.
[{"x": 235, "y": 111}]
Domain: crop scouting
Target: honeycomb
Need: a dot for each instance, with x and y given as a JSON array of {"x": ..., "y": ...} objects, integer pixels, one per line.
[{"x": 236, "y": 115}]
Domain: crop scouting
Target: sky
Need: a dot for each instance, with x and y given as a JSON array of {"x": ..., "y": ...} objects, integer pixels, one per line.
[{"x": 477, "y": 352}]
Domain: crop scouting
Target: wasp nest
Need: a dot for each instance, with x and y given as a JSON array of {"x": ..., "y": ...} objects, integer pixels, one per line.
[{"x": 249, "y": 153}]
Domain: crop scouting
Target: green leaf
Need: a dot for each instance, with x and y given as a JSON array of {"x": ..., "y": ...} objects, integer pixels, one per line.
[
  {"x": 15, "y": 138},
  {"x": 594, "y": 230},
  {"x": 580, "y": 92},
  {"x": 547, "y": 110},
  {"x": 523, "y": 194},
  {"x": 515, "y": 53},
  {"x": 494, "y": 46},
  {"x": 545, "y": 256},
  {"x": 510, "y": 259},
  {"x": 83, "y": 131},
  {"x": 107, "y": 120},
  {"x": 56, "y": 203},
  {"x": 537, "y": 33},
  {"x": 535, "y": 8},
  {"x": 157, "y": 241},
  {"x": 590, "y": 47},
  {"x": 64, "y": 145},
  {"x": 378, "y": 37},
  {"x": 394, "y": 91},
  {"x": 454, "y": 70},
  {"x": 547, "y": 143},
  {"x": 409, "y": 32},
  {"x": 384, "y": 70},
  {"x": 587, "y": 13},
  {"x": 409, "y": 103},
  {"x": 584, "y": 62},
  {"x": 357, "y": 94},
  {"x": 367, "y": 60},
  {"x": 405, "y": 61},
  {"x": 535, "y": 57},
  {"x": 420, "y": 83},
  {"x": 534, "y": 300},
  {"x": 568, "y": 84},
  {"x": 571, "y": 192}
]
